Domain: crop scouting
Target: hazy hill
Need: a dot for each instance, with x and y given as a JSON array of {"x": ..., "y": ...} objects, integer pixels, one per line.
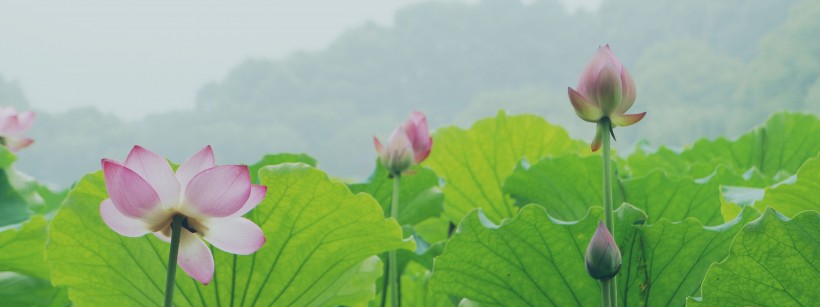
[{"x": 703, "y": 68}]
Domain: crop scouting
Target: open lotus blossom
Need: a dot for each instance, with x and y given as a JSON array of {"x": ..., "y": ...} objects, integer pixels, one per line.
[
  {"x": 145, "y": 195},
  {"x": 12, "y": 127},
  {"x": 408, "y": 145},
  {"x": 603, "y": 259},
  {"x": 605, "y": 92}
]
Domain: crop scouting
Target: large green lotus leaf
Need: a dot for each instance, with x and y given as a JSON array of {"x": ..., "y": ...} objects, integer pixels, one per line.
[
  {"x": 20, "y": 194},
  {"x": 423, "y": 256},
  {"x": 7, "y": 157},
  {"x": 801, "y": 195},
  {"x": 434, "y": 229},
  {"x": 738, "y": 191},
  {"x": 51, "y": 199},
  {"x": 420, "y": 197},
  {"x": 474, "y": 163},
  {"x": 415, "y": 289},
  {"x": 773, "y": 261},
  {"x": 568, "y": 186},
  {"x": 13, "y": 207},
  {"x": 317, "y": 231},
  {"x": 666, "y": 262},
  {"x": 356, "y": 285},
  {"x": 781, "y": 145},
  {"x": 22, "y": 248},
  {"x": 275, "y": 159},
  {"x": 675, "y": 198},
  {"x": 530, "y": 260},
  {"x": 21, "y": 290}
]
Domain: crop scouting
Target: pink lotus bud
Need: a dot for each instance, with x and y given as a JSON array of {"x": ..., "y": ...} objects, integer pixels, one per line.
[
  {"x": 408, "y": 145},
  {"x": 605, "y": 91},
  {"x": 417, "y": 132},
  {"x": 12, "y": 127},
  {"x": 603, "y": 259}
]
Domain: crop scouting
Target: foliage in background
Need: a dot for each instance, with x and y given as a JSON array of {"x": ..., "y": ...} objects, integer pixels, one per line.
[
  {"x": 708, "y": 60},
  {"x": 322, "y": 236}
]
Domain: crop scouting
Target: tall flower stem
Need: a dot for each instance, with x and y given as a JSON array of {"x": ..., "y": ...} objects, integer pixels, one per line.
[
  {"x": 606, "y": 298},
  {"x": 176, "y": 226},
  {"x": 606, "y": 125},
  {"x": 395, "y": 279}
]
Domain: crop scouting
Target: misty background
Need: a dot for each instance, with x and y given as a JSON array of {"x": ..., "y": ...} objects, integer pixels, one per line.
[{"x": 322, "y": 77}]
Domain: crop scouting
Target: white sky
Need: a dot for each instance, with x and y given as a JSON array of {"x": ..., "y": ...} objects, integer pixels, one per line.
[{"x": 133, "y": 58}]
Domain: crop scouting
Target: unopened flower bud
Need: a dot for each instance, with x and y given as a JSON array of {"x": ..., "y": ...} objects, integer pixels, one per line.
[
  {"x": 409, "y": 144},
  {"x": 603, "y": 259},
  {"x": 605, "y": 91},
  {"x": 397, "y": 156}
]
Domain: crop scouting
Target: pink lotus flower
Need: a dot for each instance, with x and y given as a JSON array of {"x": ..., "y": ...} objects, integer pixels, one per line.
[
  {"x": 603, "y": 259},
  {"x": 145, "y": 195},
  {"x": 408, "y": 145},
  {"x": 12, "y": 127},
  {"x": 605, "y": 92}
]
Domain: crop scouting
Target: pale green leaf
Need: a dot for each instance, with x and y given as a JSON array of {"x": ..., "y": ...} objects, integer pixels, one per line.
[
  {"x": 666, "y": 196},
  {"x": 773, "y": 261},
  {"x": 474, "y": 163},
  {"x": 665, "y": 262},
  {"x": 7, "y": 157},
  {"x": 420, "y": 197},
  {"x": 22, "y": 248},
  {"x": 317, "y": 231},
  {"x": 13, "y": 207},
  {"x": 791, "y": 198},
  {"x": 530, "y": 260},
  {"x": 778, "y": 147},
  {"x": 415, "y": 290},
  {"x": 569, "y": 185},
  {"x": 354, "y": 287},
  {"x": 21, "y": 290},
  {"x": 275, "y": 159}
]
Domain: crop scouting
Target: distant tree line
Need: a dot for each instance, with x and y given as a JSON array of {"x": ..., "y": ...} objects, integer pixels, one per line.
[{"x": 703, "y": 69}]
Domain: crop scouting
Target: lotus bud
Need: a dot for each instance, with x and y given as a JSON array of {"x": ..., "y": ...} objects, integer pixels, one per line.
[
  {"x": 603, "y": 259},
  {"x": 398, "y": 155},
  {"x": 12, "y": 127},
  {"x": 408, "y": 145},
  {"x": 416, "y": 129},
  {"x": 605, "y": 91}
]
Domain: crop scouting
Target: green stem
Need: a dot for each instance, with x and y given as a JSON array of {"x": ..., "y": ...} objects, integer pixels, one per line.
[
  {"x": 395, "y": 279},
  {"x": 385, "y": 280},
  {"x": 606, "y": 126},
  {"x": 606, "y": 298},
  {"x": 176, "y": 225},
  {"x": 608, "y": 219}
]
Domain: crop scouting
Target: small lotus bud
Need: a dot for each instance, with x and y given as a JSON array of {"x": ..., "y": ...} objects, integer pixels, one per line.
[
  {"x": 603, "y": 259},
  {"x": 409, "y": 144},
  {"x": 416, "y": 129},
  {"x": 12, "y": 127},
  {"x": 397, "y": 156}
]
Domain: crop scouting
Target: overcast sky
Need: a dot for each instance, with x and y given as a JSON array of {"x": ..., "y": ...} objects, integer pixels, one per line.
[{"x": 132, "y": 58}]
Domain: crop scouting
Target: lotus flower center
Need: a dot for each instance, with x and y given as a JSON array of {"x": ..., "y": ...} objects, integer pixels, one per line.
[{"x": 191, "y": 224}]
